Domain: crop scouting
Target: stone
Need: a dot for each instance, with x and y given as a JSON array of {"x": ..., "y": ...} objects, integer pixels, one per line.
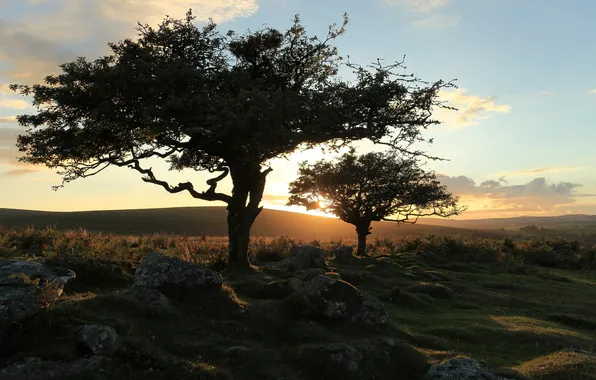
[
  {"x": 336, "y": 300},
  {"x": 331, "y": 361},
  {"x": 98, "y": 339},
  {"x": 147, "y": 296},
  {"x": 93, "y": 367},
  {"x": 27, "y": 287},
  {"x": 169, "y": 273},
  {"x": 311, "y": 273},
  {"x": 344, "y": 253},
  {"x": 461, "y": 369},
  {"x": 281, "y": 289},
  {"x": 307, "y": 256},
  {"x": 333, "y": 275}
]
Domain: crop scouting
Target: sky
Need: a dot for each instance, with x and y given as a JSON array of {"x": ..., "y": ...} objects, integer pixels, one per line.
[{"x": 521, "y": 142}]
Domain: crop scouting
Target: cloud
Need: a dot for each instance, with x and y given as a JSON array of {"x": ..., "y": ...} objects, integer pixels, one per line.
[
  {"x": 546, "y": 93},
  {"x": 8, "y": 120},
  {"x": 60, "y": 30},
  {"x": 593, "y": 91},
  {"x": 21, "y": 171},
  {"x": 437, "y": 21},
  {"x": 153, "y": 11},
  {"x": 551, "y": 169},
  {"x": 17, "y": 104},
  {"x": 470, "y": 108},
  {"x": 535, "y": 196},
  {"x": 420, "y": 5}
]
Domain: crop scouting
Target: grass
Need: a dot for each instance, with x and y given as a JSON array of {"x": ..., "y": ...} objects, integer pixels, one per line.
[{"x": 474, "y": 297}]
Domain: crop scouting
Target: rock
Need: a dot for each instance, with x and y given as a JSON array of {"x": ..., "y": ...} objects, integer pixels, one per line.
[
  {"x": 172, "y": 274},
  {"x": 100, "y": 340},
  {"x": 331, "y": 361},
  {"x": 267, "y": 278},
  {"x": 333, "y": 275},
  {"x": 436, "y": 291},
  {"x": 386, "y": 260},
  {"x": 309, "y": 274},
  {"x": 93, "y": 367},
  {"x": 307, "y": 256},
  {"x": 281, "y": 289},
  {"x": 344, "y": 253},
  {"x": 336, "y": 300},
  {"x": 236, "y": 349},
  {"x": 147, "y": 296},
  {"x": 461, "y": 369},
  {"x": 27, "y": 287}
]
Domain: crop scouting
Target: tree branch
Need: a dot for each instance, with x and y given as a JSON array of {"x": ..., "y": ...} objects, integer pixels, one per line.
[{"x": 209, "y": 195}]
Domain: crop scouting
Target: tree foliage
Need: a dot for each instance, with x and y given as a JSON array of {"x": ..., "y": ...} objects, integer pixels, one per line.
[
  {"x": 219, "y": 102},
  {"x": 372, "y": 187}
]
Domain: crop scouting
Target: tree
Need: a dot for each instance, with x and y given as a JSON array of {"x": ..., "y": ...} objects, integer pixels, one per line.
[
  {"x": 370, "y": 188},
  {"x": 223, "y": 103}
]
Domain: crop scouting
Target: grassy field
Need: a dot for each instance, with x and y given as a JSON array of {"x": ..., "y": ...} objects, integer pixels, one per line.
[{"x": 525, "y": 308}]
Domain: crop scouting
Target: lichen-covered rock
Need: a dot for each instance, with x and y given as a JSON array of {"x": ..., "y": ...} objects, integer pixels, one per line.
[
  {"x": 344, "y": 253},
  {"x": 281, "y": 289},
  {"x": 311, "y": 273},
  {"x": 461, "y": 369},
  {"x": 333, "y": 275},
  {"x": 307, "y": 256},
  {"x": 98, "y": 339},
  {"x": 27, "y": 287},
  {"x": 93, "y": 367},
  {"x": 170, "y": 273},
  {"x": 147, "y": 296},
  {"x": 336, "y": 300},
  {"x": 331, "y": 361}
]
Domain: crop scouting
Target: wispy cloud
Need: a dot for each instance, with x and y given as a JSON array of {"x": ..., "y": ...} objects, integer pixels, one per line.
[
  {"x": 593, "y": 91},
  {"x": 470, "y": 108},
  {"x": 15, "y": 104},
  {"x": 549, "y": 169},
  {"x": 437, "y": 21},
  {"x": 8, "y": 120},
  {"x": 420, "y": 5},
  {"x": 20, "y": 171},
  {"x": 547, "y": 93}
]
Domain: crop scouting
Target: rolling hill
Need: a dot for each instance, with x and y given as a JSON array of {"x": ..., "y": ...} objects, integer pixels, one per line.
[{"x": 212, "y": 221}]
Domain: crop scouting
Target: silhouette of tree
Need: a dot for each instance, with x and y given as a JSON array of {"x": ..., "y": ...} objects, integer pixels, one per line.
[
  {"x": 223, "y": 103},
  {"x": 370, "y": 188}
]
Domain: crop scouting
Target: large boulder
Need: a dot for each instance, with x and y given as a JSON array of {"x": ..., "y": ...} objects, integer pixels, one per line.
[
  {"x": 172, "y": 274},
  {"x": 307, "y": 256},
  {"x": 461, "y": 369},
  {"x": 369, "y": 359},
  {"x": 93, "y": 367},
  {"x": 27, "y": 287},
  {"x": 344, "y": 253},
  {"x": 147, "y": 296},
  {"x": 336, "y": 300},
  {"x": 98, "y": 339}
]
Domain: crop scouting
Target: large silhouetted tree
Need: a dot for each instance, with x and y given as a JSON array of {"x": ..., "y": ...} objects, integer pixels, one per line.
[
  {"x": 372, "y": 187},
  {"x": 222, "y": 103}
]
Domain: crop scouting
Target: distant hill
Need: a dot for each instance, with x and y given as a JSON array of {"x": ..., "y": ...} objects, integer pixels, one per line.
[
  {"x": 212, "y": 221},
  {"x": 497, "y": 223}
]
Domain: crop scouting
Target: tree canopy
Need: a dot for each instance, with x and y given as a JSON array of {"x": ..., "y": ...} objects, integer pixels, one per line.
[
  {"x": 225, "y": 103},
  {"x": 372, "y": 187}
]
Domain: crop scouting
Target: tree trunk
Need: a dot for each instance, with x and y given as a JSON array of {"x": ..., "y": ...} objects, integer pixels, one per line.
[
  {"x": 249, "y": 185},
  {"x": 363, "y": 230}
]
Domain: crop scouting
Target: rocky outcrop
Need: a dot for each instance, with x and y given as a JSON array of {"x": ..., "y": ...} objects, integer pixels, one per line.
[
  {"x": 461, "y": 369},
  {"x": 98, "y": 339},
  {"x": 336, "y": 300},
  {"x": 307, "y": 256},
  {"x": 147, "y": 296},
  {"x": 344, "y": 253},
  {"x": 93, "y": 367},
  {"x": 172, "y": 274},
  {"x": 26, "y": 288}
]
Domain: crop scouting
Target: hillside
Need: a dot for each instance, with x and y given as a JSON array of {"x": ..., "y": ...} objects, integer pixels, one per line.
[{"x": 212, "y": 221}]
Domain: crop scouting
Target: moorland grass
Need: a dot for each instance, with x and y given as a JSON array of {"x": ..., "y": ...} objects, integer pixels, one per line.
[{"x": 515, "y": 314}]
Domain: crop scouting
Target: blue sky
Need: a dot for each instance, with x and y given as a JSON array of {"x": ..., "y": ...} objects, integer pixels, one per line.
[{"x": 526, "y": 97}]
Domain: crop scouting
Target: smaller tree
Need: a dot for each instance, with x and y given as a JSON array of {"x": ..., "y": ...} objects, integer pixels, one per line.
[{"x": 372, "y": 187}]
